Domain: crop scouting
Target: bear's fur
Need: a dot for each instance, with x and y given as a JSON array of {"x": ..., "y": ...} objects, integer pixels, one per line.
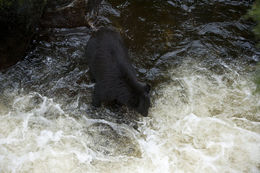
[{"x": 115, "y": 77}]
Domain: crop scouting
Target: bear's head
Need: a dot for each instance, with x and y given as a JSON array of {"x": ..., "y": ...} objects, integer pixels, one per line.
[{"x": 143, "y": 100}]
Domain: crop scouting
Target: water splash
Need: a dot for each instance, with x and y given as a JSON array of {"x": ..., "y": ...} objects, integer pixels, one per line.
[{"x": 200, "y": 122}]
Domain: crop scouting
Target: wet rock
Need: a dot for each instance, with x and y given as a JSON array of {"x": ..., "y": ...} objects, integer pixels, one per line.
[
  {"x": 18, "y": 23},
  {"x": 65, "y": 14},
  {"x": 110, "y": 142},
  {"x": 93, "y": 5}
]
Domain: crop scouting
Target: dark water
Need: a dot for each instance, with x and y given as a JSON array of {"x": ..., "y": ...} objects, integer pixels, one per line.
[{"x": 199, "y": 57}]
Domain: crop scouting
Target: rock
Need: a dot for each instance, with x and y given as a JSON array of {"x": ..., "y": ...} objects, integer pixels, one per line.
[
  {"x": 18, "y": 23},
  {"x": 65, "y": 14},
  {"x": 19, "y": 20},
  {"x": 104, "y": 139}
]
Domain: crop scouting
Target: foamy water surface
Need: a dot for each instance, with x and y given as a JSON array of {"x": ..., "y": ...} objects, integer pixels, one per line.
[{"x": 199, "y": 122}]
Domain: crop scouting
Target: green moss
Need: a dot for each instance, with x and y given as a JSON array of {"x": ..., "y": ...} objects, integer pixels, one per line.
[
  {"x": 257, "y": 78},
  {"x": 5, "y": 3},
  {"x": 254, "y": 13}
]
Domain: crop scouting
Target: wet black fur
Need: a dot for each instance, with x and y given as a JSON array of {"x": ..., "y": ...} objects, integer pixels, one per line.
[{"x": 113, "y": 73}]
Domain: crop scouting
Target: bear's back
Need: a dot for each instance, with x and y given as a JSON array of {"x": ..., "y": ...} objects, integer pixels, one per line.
[{"x": 107, "y": 56}]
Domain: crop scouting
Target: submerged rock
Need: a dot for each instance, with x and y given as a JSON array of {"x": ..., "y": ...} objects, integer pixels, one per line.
[{"x": 105, "y": 140}]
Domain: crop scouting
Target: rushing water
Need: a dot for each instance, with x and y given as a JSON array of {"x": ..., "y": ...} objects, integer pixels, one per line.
[{"x": 199, "y": 56}]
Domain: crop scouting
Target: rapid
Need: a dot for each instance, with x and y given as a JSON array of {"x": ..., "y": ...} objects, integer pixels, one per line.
[{"x": 198, "y": 56}]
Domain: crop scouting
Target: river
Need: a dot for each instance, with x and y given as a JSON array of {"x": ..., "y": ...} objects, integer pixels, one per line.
[{"x": 198, "y": 56}]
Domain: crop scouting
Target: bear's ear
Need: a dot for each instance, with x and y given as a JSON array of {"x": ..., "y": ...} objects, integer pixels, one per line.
[{"x": 147, "y": 88}]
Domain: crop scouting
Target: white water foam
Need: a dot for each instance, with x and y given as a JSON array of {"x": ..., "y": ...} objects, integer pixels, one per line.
[{"x": 199, "y": 122}]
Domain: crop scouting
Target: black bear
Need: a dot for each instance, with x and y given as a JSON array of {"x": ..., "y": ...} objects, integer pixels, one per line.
[{"x": 115, "y": 77}]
